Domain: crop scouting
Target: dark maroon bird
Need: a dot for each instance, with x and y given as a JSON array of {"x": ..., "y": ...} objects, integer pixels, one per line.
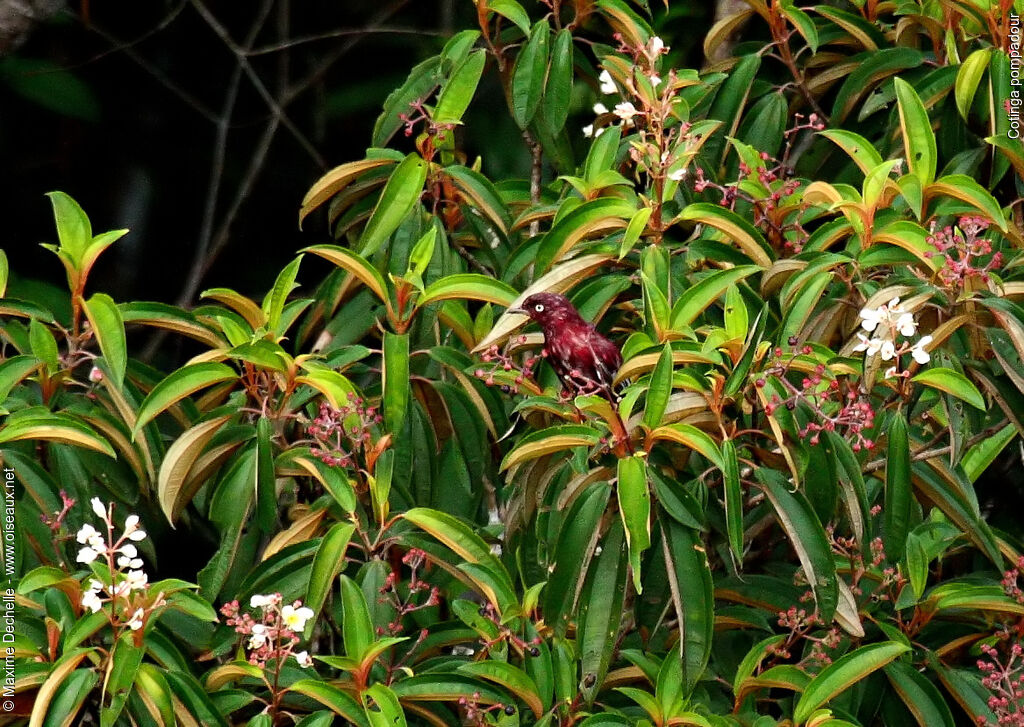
[{"x": 584, "y": 359}]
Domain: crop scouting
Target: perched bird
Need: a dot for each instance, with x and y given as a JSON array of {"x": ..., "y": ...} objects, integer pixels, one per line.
[{"x": 584, "y": 359}]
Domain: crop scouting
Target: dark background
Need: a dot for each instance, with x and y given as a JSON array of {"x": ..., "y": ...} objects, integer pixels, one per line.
[{"x": 118, "y": 103}]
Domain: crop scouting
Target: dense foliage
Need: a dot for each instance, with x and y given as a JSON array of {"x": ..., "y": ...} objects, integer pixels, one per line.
[{"x": 810, "y": 258}]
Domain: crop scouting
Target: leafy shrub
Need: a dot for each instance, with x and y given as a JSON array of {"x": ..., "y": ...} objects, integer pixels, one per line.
[{"x": 775, "y": 521}]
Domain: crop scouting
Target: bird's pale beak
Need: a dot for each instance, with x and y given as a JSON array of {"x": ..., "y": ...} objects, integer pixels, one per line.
[{"x": 520, "y": 311}]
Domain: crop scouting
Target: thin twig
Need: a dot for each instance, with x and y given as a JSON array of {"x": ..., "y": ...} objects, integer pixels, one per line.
[
  {"x": 339, "y": 33},
  {"x": 241, "y": 55}
]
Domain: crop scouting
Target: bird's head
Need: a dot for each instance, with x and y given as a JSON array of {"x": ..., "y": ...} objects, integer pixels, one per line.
[{"x": 547, "y": 309}]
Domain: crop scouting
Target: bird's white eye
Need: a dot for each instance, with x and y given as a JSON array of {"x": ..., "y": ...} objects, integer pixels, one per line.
[{"x": 539, "y": 307}]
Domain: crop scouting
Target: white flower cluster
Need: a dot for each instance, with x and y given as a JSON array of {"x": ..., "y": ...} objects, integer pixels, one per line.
[
  {"x": 884, "y": 323},
  {"x": 121, "y": 553},
  {"x": 625, "y": 110},
  {"x": 292, "y": 618}
]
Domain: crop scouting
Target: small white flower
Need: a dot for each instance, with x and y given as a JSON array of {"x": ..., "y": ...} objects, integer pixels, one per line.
[
  {"x": 870, "y": 345},
  {"x": 91, "y": 600},
  {"x": 588, "y": 130},
  {"x": 136, "y": 622},
  {"x": 305, "y": 661},
  {"x": 258, "y": 637},
  {"x": 600, "y": 108},
  {"x": 128, "y": 550},
  {"x": 890, "y": 372},
  {"x": 918, "y": 352},
  {"x": 131, "y": 523},
  {"x": 872, "y": 318},
  {"x": 888, "y": 351},
  {"x": 906, "y": 324},
  {"x": 295, "y": 618},
  {"x": 126, "y": 562},
  {"x": 95, "y": 375},
  {"x": 99, "y": 508},
  {"x": 625, "y": 110},
  {"x": 258, "y": 601},
  {"x": 607, "y": 84},
  {"x": 86, "y": 533},
  {"x": 678, "y": 175},
  {"x": 137, "y": 535},
  {"x": 656, "y": 46},
  {"x": 598, "y": 132},
  {"x": 87, "y": 555},
  {"x": 136, "y": 580},
  {"x": 655, "y": 79}
]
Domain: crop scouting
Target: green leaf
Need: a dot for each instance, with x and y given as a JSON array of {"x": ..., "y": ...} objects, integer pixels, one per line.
[
  {"x": 579, "y": 528},
  {"x": 803, "y": 24},
  {"x": 873, "y": 68},
  {"x": 807, "y": 536},
  {"x": 181, "y": 383},
  {"x": 108, "y": 327},
  {"x": 920, "y": 696},
  {"x": 634, "y": 229},
  {"x": 513, "y": 11},
  {"x": 5, "y": 272},
  {"x": 399, "y": 198},
  {"x": 692, "y": 437},
  {"x": 472, "y": 286},
  {"x": 745, "y": 235},
  {"x": 339, "y": 702},
  {"x": 590, "y": 218},
  {"x": 457, "y": 536},
  {"x": 843, "y": 673},
  {"x": 635, "y": 509},
  {"x": 177, "y": 463},
  {"x": 706, "y": 291},
  {"x": 13, "y": 371},
  {"x": 918, "y": 139},
  {"x": 73, "y": 229},
  {"x": 458, "y": 91},
  {"x": 693, "y": 598},
  {"x": 860, "y": 149},
  {"x": 354, "y": 264},
  {"x": 600, "y": 612},
  {"x": 338, "y": 389},
  {"x": 273, "y": 303},
  {"x": 558, "y": 90},
  {"x": 44, "y": 346},
  {"x": 953, "y": 383},
  {"x": 733, "y": 502},
  {"x": 357, "y": 626},
  {"x": 966, "y": 189},
  {"x": 729, "y": 102},
  {"x": 968, "y": 76},
  {"x": 38, "y": 423},
  {"x": 395, "y": 375},
  {"x": 977, "y": 459},
  {"x": 125, "y": 660},
  {"x": 659, "y": 389},
  {"x": 549, "y": 441},
  {"x": 511, "y": 678},
  {"x": 528, "y": 76},
  {"x": 327, "y": 564},
  {"x": 382, "y": 707},
  {"x": 898, "y": 495}
]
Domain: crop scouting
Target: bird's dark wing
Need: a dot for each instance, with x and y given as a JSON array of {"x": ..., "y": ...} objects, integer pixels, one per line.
[{"x": 606, "y": 359}]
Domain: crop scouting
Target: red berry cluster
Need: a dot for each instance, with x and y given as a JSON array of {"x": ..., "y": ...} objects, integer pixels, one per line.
[
  {"x": 403, "y": 606},
  {"x": 963, "y": 250},
  {"x": 832, "y": 411},
  {"x": 340, "y": 434},
  {"x": 1005, "y": 680},
  {"x": 504, "y": 362}
]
